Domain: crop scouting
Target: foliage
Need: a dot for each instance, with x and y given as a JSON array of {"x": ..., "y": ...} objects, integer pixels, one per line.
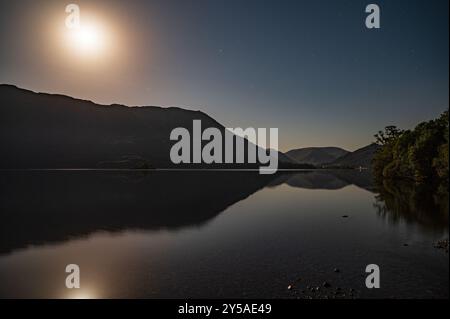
[{"x": 420, "y": 155}]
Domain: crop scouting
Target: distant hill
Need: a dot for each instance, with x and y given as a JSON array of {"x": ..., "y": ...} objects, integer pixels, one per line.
[
  {"x": 359, "y": 158},
  {"x": 316, "y": 155},
  {"x": 40, "y": 130}
]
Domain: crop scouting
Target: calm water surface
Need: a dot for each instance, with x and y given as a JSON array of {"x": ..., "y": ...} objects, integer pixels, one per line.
[{"x": 216, "y": 234}]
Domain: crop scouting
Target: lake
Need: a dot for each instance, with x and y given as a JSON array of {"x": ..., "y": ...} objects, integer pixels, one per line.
[{"x": 218, "y": 234}]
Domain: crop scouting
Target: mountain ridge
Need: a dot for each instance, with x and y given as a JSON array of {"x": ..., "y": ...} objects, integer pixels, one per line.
[
  {"x": 46, "y": 130},
  {"x": 362, "y": 157},
  {"x": 43, "y": 130},
  {"x": 316, "y": 155}
]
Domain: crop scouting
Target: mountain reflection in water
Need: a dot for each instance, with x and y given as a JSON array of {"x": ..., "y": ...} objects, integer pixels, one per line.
[
  {"x": 277, "y": 227},
  {"x": 50, "y": 206}
]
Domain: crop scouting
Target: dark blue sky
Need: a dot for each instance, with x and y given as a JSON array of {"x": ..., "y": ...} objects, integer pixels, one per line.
[{"x": 310, "y": 68}]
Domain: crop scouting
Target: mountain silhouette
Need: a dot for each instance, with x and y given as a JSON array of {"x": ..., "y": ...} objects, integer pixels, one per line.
[
  {"x": 316, "y": 155},
  {"x": 359, "y": 158},
  {"x": 40, "y": 130}
]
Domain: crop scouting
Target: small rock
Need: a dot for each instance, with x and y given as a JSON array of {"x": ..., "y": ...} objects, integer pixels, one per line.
[
  {"x": 405, "y": 245},
  {"x": 317, "y": 288},
  {"x": 336, "y": 270},
  {"x": 344, "y": 216},
  {"x": 289, "y": 287}
]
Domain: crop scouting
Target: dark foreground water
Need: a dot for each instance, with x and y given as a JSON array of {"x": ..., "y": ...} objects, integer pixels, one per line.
[{"x": 218, "y": 234}]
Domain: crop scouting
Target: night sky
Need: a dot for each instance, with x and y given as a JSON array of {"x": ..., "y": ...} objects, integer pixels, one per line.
[{"x": 310, "y": 68}]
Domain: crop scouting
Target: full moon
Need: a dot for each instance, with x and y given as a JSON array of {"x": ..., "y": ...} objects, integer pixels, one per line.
[{"x": 86, "y": 40}]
